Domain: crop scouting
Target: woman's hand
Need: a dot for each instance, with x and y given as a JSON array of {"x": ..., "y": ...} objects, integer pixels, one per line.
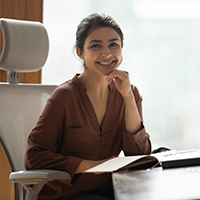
[
  {"x": 87, "y": 164},
  {"x": 122, "y": 82}
]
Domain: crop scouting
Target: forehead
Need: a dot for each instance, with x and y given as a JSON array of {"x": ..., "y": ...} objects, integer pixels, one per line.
[{"x": 103, "y": 34}]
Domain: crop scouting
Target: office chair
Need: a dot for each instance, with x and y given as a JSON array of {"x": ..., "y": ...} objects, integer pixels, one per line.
[{"x": 25, "y": 49}]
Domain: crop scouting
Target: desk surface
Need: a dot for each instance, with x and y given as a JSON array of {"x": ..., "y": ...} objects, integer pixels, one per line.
[{"x": 157, "y": 184}]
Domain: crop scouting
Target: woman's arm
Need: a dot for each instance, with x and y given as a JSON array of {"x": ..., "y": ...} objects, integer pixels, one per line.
[
  {"x": 122, "y": 82},
  {"x": 132, "y": 115},
  {"x": 87, "y": 164}
]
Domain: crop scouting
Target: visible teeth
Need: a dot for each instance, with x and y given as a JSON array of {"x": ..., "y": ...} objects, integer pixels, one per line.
[{"x": 105, "y": 63}]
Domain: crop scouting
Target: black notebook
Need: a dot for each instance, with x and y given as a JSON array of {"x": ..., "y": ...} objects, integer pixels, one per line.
[{"x": 173, "y": 159}]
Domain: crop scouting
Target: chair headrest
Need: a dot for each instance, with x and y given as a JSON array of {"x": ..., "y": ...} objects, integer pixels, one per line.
[{"x": 25, "y": 45}]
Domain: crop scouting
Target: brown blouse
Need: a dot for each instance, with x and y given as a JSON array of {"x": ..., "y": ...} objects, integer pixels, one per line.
[{"x": 68, "y": 132}]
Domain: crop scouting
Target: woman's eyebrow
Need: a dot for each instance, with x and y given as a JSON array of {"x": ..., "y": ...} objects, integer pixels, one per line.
[
  {"x": 114, "y": 39},
  {"x": 100, "y": 41}
]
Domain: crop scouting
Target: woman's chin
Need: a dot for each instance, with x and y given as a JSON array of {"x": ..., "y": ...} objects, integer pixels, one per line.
[{"x": 107, "y": 72}]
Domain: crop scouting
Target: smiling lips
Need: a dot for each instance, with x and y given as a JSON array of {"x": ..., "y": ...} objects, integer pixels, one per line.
[{"x": 106, "y": 63}]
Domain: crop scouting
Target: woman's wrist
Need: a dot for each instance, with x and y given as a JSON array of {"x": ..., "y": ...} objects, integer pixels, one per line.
[{"x": 129, "y": 99}]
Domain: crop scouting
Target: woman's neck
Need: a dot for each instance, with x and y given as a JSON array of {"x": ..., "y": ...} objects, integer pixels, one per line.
[
  {"x": 95, "y": 84},
  {"x": 97, "y": 91}
]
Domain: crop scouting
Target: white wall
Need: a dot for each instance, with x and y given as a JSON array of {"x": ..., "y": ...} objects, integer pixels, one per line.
[{"x": 161, "y": 53}]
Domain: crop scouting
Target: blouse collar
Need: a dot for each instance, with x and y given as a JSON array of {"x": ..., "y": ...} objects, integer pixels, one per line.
[{"x": 82, "y": 87}]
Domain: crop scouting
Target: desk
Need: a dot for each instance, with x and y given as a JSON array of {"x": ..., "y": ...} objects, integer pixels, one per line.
[{"x": 157, "y": 184}]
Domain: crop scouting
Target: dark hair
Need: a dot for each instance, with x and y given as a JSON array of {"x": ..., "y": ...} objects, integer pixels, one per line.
[{"x": 94, "y": 21}]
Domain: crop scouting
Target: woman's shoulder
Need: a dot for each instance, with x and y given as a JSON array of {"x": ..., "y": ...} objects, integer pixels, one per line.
[
  {"x": 67, "y": 89},
  {"x": 64, "y": 89}
]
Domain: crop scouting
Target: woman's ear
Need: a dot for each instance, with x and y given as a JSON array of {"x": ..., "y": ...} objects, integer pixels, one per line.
[{"x": 79, "y": 52}]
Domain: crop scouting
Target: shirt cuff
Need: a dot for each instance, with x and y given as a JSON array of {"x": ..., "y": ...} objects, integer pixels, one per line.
[
  {"x": 74, "y": 163},
  {"x": 136, "y": 144}
]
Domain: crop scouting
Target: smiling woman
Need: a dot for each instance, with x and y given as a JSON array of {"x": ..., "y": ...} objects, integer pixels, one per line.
[
  {"x": 160, "y": 52},
  {"x": 96, "y": 40},
  {"x": 102, "y": 50},
  {"x": 90, "y": 118}
]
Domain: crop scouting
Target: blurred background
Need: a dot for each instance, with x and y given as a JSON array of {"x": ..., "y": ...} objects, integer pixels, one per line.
[{"x": 161, "y": 53}]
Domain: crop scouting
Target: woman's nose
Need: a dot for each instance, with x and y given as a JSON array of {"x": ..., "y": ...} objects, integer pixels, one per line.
[{"x": 105, "y": 52}]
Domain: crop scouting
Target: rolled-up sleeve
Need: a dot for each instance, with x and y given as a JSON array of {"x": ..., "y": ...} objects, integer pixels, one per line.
[{"x": 139, "y": 143}]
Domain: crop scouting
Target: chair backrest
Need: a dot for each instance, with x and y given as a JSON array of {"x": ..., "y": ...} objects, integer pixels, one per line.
[
  {"x": 25, "y": 49},
  {"x": 25, "y": 45},
  {"x": 20, "y": 107}
]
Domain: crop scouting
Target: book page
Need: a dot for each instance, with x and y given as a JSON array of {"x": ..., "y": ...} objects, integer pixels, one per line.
[{"x": 114, "y": 164}]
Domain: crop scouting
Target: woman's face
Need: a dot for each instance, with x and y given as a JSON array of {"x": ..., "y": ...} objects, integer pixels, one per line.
[{"x": 102, "y": 51}]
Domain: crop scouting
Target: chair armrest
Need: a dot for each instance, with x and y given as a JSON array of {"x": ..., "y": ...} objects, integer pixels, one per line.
[
  {"x": 34, "y": 180},
  {"x": 29, "y": 176}
]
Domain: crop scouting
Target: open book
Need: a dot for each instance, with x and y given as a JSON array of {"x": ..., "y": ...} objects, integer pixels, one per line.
[{"x": 168, "y": 159}]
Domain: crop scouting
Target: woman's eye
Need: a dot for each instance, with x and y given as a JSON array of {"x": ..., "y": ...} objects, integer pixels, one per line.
[
  {"x": 95, "y": 46},
  {"x": 114, "y": 45}
]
